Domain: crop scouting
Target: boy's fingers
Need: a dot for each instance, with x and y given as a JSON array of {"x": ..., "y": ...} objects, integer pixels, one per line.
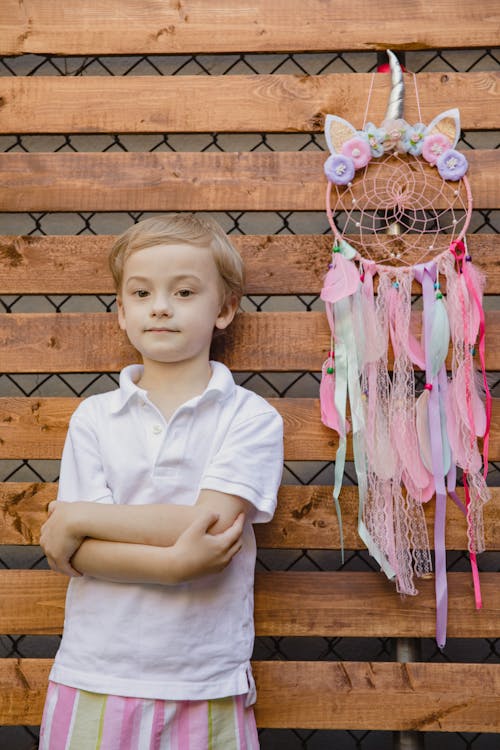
[
  {"x": 204, "y": 522},
  {"x": 234, "y": 532}
]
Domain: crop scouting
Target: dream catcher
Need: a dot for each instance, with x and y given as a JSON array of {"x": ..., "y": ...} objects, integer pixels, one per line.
[{"x": 399, "y": 204}]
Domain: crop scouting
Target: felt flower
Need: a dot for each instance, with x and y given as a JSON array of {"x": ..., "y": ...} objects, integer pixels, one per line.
[
  {"x": 339, "y": 169},
  {"x": 434, "y": 146},
  {"x": 413, "y": 139},
  {"x": 359, "y": 151},
  {"x": 452, "y": 165},
  {"x": 375, "y": 137},
  {"x": 395, "y": 131}
]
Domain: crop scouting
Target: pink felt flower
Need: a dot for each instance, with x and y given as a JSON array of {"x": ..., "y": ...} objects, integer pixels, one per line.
[
  {"x": 359, "y": 151},
  {"x": 434, "y": 146}
]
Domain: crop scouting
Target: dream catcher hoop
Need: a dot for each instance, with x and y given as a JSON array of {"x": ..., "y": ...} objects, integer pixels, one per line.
[{"x": 399, "y": 205}]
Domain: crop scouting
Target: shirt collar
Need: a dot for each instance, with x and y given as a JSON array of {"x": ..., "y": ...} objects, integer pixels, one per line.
[{"x": 220, "y": 386}]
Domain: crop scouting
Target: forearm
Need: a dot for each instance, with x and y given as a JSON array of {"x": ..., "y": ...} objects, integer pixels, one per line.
[
  {"x": 127, "y": 563},
  {"x": 196, "y": 553},
  {"x": 156, "y": 525}
]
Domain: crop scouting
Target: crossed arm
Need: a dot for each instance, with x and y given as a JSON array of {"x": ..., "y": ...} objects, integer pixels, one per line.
[{"x": 164, "y": 544}]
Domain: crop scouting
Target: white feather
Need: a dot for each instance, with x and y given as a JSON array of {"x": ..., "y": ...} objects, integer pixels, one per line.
[{"x": 440, "y": 337}]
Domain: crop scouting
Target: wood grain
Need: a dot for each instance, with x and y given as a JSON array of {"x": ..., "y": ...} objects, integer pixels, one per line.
[
  {"x": 379, "y": 696},
  {"x": 155, "y": 27},
  {"x": 292, "y": 604},
  {"x": 324, "y": 695},
  {"x": 36, "y": 428},
  {"x": 244, "y": 104},
  {"x": 305, "y": 517},
  {"x": 67, "y": 264},
  {"x": 258, "y": 342},
  {"x": 211, "y": 181}
]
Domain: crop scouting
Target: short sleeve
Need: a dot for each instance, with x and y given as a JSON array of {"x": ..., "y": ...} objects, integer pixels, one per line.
[
  {"x": 249, "y": 463},
  {"x": 82, "y": 474}
]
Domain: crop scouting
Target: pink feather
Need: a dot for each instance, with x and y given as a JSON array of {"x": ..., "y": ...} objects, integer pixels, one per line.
[
  {"x": 464, "y": 454},
  {"x": 329, "y": 414},
  {"x": 474, "y": 401},
  {"x": 477, "y": 280},
  {"x": 404, "y": 437},
  {"x": 422, "y": 422},
  {"x": 373, "y": 338},
  {"x": 423, "y": 494},
  {"x": 341, "y": 281}
]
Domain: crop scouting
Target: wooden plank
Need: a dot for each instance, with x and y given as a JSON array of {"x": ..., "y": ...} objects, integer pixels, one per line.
[
  {"x": 65, "y": 264},
  {"x": 305, "y": 517},
  {"x": 212, "y": 181},
  {"x": 324, "y": 695},
  {"x": 36, "y": 428},
  {"x": 292, "y": 604},
  {"x": 93, "y": 342},
  {"x": 139, "y": 27},
  {"x": 379, "y": 696},
  {"x": 247, "y": 104}
]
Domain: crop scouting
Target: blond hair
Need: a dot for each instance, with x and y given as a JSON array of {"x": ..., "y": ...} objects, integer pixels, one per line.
[{"x": 189, "y": 229}]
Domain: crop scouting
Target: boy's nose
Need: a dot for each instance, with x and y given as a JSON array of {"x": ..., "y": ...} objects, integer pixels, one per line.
[{"x": 161, "y": 306}]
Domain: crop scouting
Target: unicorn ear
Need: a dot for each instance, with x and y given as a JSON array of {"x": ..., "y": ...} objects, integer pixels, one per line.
[
  {"x": 448, "y": 124},
  {"x": 337, "y": 132}
]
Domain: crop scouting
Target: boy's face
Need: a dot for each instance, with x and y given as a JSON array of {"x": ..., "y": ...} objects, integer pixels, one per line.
[{"x": 171, "y": 301}]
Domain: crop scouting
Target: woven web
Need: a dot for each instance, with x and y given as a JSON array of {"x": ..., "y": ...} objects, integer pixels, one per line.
[{"x": 397, "y": 205}]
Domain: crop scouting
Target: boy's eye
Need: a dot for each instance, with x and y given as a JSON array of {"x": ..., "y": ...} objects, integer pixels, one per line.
[
  {"x": 141, "y": 293},
  {"x": 184, "y": 292}
]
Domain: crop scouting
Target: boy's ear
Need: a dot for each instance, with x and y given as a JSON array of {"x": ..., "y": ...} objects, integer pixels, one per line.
[
  {"x": 227, "y": 312},
  {"x": 121, "y": 313}
]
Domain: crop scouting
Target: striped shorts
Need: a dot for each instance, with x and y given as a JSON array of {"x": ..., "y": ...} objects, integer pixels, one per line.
[{"x": 78, "y": 720}]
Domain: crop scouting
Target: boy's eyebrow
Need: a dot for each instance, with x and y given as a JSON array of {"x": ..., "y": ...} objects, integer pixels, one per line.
[{"x": 177, "y": 277}]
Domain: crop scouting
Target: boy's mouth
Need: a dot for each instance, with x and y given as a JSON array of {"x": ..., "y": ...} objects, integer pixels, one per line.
[{"x": 161, "y": 330}]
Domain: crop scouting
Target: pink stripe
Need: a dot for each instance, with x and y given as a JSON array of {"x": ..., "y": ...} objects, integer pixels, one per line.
[
  {"x": 63, "y": 714},
  {"x": 130, "y": 714},
  {"x": 198, "y": 723},
  {"x": 158, "y": 722},
  {"x": 240, "y": 719},
  {"x": 113, "y": 718},
  {"x": 180, "y": 727},
  {"x": 47, "y": 713},
  {"x": 251, "y": 728}
]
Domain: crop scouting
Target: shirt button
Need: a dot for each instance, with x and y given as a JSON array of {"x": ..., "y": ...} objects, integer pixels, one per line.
[{"x": 157, "y": 429}]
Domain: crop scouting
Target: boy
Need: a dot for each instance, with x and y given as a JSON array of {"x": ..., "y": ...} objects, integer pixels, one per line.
[{"x": 161, "y": 481}]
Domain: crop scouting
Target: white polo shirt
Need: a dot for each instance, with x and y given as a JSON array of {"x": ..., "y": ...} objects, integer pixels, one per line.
[{"x": 194, "y": 640}]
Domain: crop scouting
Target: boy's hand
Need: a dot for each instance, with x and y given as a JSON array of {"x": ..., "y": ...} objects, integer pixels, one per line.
[
  {"x": 59, "y": 538},
  {"x": 198, "y": 553}
]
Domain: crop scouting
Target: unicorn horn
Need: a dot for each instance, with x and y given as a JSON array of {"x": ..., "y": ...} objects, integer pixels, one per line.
[{"x": 395, "y": 104}]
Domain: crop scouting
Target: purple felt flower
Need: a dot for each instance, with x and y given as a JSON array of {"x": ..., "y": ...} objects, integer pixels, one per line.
[
  {"x": 452, "y": 165},
  {"x": 339, "y": 169}
]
